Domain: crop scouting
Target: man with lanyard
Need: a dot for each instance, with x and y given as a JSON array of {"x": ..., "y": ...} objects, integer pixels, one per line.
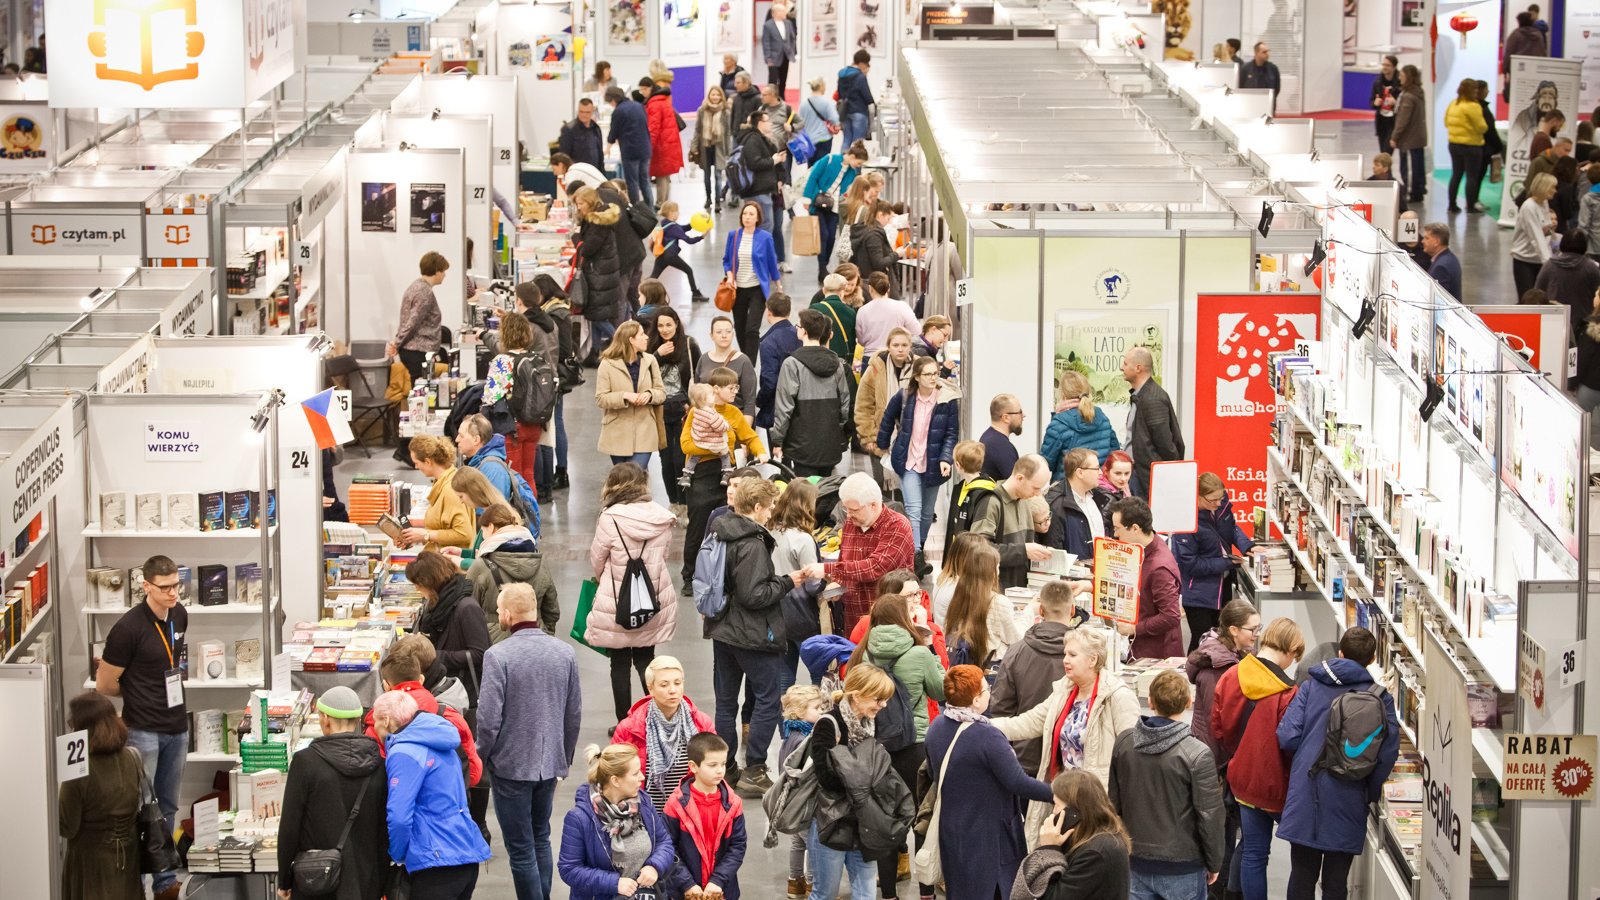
[{"x": 143, "y": 663}]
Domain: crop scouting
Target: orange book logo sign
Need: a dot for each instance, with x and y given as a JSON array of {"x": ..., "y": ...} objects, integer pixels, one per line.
[
  {"x": 146, "y": 42},
  {"x": 43, "y": 234},
  {"x": 177, "y": 234}
]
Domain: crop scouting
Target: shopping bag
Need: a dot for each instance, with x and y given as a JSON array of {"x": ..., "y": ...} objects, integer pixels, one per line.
[
  {"x": 806, "y": 238},
  {"x": 580, "y": 623}
]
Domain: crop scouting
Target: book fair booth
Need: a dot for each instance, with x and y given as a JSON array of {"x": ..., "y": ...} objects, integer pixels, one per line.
[{"x": 176, "y": 284}]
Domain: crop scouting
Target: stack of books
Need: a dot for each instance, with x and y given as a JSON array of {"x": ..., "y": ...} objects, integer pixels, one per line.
[{"x": 369, "y": 498}]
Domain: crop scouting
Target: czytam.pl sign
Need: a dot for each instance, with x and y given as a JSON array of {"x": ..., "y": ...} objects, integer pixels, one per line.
[{"x": 170, "y": 54}]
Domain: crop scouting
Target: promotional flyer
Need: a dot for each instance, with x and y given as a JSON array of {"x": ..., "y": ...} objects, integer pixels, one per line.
[{"x": 1116, "y": 580}]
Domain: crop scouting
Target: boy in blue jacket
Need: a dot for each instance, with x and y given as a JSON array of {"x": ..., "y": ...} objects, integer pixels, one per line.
[
  {"x": 673, "y": 237},
  {"x": 706, "y": 821},
  {"x": 1325, "y": 817}
]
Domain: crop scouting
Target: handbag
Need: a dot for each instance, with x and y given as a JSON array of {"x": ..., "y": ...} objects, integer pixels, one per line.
[
  {"x": 827, "y": 200},
  {"x": 723, "y": 299},
  {"x": 929, "y": 868},
  {"x": 842, "y": 251},
  {"x": 636, "y": 595},
  {"x": 580, "y": 624},
  {"x": 157, "y": 852},
  {"x": 317, "y": 872}
]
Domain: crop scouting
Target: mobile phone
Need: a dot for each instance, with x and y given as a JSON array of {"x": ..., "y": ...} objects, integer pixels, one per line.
[{"x": 1065, "y": 820}]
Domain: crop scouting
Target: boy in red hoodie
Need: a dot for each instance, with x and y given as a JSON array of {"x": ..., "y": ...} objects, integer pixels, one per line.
[
  {"x": 402, "y": 671},
  {"x": 706, "y": 821}
]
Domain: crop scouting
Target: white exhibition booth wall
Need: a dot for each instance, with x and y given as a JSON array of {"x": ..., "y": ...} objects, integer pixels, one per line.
[
  {"x": 385, "y": 191},
  {"x": 480, "y": 95},
  {"x": 473, "y": 135},
  {"x": 532, "y": 43}
]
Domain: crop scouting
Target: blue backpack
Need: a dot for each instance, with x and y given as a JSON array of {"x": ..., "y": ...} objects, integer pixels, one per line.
[
  {"x": 801, "y": 147},
  {"x": 740, "y": 178},
  {"x": 522, "y": 499},
  {"x": 710, "y": 578}
]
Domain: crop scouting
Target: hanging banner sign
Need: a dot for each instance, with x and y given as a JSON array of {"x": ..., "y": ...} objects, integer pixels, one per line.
[
  {"x": 1548, "y": 767},
  {"x": 1232, "y": 393},
  {"x": 176, "y": 54},
  {"x": 184, "y": 234},
  {"x": 77, "y": 232},
  {"x": 321, "y": 193},
  {"x": 1538, "y": 85},
  {"x": 28, "y": 477},
  {"x": 190, "y": 313},
  {"x": 1581, "y": 40},
  {"x": 1116, "y": 580},
  {"x": 25, "y": 138},
  {"x": 1446, "y": 780},
  {"x": 130, "y": 372}
]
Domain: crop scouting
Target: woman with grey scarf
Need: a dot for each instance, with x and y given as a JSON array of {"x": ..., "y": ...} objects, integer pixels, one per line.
[
  {"x": 713, "y": 141},
  {"x": 1083, "y": 849},
  {"x": 613, "y": 842},
  {"x": 659, "y": 727}
]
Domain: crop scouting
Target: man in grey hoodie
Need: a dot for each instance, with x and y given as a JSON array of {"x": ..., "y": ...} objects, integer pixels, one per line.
[
  {"x": 1164, "y": 786},
  {"x": 811, "y": 421}
]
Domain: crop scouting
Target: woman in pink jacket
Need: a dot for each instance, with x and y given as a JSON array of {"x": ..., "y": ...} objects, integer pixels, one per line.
[{"x": 631, "y": 527}]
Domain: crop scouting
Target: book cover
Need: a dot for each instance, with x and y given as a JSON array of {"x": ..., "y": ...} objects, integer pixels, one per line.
[
  {"x": 183, "y": 512},
  {"x": 186, "y": 585},
  {"x": 208, "y": 731},
  {"x": 266, "y": 792},
  {"x": 247, "y": 584},
  {"x": 108, "y": 588},
  {"x": 148, "y": 513},
  {"x": 241, "y": 506},
  {"x": 213, "y": 660},
  {"x": 213, "y": 585},
  {"x": 247, "y": 659},
  {"x": 213, "y": 511},
  {"x": 114, "y": 511},
  {"x": 272, "y": 508}
]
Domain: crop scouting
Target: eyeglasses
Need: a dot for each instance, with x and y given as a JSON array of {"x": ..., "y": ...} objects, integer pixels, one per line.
[
  {"x": 1254, "y": 629},
  {"x": 163, "y": 588},
  {"x": 1015, "y": 412},
  {"x": 1088, "y": 468}
]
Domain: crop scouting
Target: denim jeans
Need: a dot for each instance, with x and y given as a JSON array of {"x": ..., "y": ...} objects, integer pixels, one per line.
[
  {"x": 829, "y": 865},
  {"x": 523, "y": 808},
  {"x": 716, "y": 186},
  {"x": 854, "y": 128},
  {"x": 1306, "y": 865},
  {"x": 767, "y": 217},
  {"x": 1255, "y": 847},
  {"x": 600, "y": 335},
  {"x": 636, "y": 172},
  {"x": 163, "y": 756},
  {"x": 1154, "y": 886},
  {"x": 761, "y": 672},
  {"x": 921, "y": 493},
  {"x": 643, "y": 459}
]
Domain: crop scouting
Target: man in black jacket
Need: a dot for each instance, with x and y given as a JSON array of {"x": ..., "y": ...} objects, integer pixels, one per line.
[
  {"x": 811, "y": 417},
  {"x": 581, "y": 139},
  {"x": 747, "y": 639},
  {"x": 328, "y": 778},
  {"x": 1261, "y": 73},
  {"x": 1075, "y": 519},
  {"x": 870, "y": 242},
  {"x": 1164, "y": 785},
  {"x": 1154, "y": 432},
  {"x": 744, "y": 100}
]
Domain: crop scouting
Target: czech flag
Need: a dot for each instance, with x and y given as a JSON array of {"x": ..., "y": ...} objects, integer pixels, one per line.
[{"x": 329, "y": 423}]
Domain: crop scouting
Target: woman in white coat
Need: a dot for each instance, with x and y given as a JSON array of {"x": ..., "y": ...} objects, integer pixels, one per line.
[
  {"x": 1078, "y": 723},
  {"x": 631, "y": 526}
]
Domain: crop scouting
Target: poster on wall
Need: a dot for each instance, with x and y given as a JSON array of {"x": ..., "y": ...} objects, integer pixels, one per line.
[
  {"x": 1582, "y": 41},
  {"x": 519, "y": 55},
  {"x": 427, "y": 209},
  {"x": 1446, "y": 736},
  {"x": 822, "y": 37},
  {"x": 1543, "y": 460},
  {"x": 870, "y": 25},
  {"x": 1549, "y": 767},
  {"x": 1537, "y": 86},
  {"x": 552, "y": 54},
  {"x": 1407, "y": 328},
  {"x": 1462, "y": 347},
  {"x": 1092, "y": 343},
  {"x": 682, "y": 34},
  {"x": 378, "y": 200},
  {"x": 1535, "y": 335},
  {"x": 24, "y": 138},
  {"x": 732, "y": 34},
  {"x": 625, "y": 30},
  {"x": 1234, "y": 334}
]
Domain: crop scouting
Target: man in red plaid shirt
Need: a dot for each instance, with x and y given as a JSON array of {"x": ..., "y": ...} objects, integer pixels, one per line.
[{"x": 875, "y": 542}]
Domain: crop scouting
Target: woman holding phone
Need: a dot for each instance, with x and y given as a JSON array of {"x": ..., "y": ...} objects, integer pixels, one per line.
[{"x": 1083, "y": 848}]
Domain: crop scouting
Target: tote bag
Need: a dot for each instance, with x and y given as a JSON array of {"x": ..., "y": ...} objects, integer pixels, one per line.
[
  {"x": 929, "y": 867},
  {"x": 580, "y": 625}
]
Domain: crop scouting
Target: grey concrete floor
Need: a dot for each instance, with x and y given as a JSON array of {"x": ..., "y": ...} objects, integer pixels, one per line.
[{"x": 568, "y": 518}]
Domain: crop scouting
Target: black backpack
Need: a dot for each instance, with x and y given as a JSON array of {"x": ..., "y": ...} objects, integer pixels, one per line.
[
  {"x": 642, "y": 219},
  {"x": 534, "y": 387},
  {"x": 896, "y": 726},
  {"x": 634, "y": 610},
  {"x": 1357, "y": 726},
  {"x": 969, "y": 507}
]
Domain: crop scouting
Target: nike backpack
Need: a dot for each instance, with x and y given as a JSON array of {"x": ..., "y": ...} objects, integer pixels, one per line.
[{"x": 1356, "y": 727}]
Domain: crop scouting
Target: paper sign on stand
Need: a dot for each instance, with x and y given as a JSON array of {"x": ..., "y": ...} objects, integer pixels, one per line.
[
  {"x": 1530, "y": 671},
  {"x": 1116, "y": 580},
  {"x": 207, "y": 830},
  {"x": 1173, "y": 506},
  {"x": 1447, "y": 754},
  {"x": 281, "y": 671},
  {"x": 1548, "y": 767},
  {"x": 72, "y": 756}
]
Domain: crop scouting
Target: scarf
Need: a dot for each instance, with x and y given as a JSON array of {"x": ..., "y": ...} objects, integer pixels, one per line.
[
  {"x": 856, "y": 728},
  {"x": 965, "y": 714},
  {"x": 794, "y": 726},
  {"x": 716, "y": 127},
  {"x": 435, "y": 619},
  {"x": 1036, "y": 871},
  {"x": 664, "y": 739},
  {"x": 620, "y": 820}
]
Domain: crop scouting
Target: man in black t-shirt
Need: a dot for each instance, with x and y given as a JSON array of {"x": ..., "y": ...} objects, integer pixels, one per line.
[{"x": 143, "y": 663}]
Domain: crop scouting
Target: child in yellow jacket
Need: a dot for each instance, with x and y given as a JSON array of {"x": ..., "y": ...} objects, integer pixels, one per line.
[{"x": 720, "y": 389}]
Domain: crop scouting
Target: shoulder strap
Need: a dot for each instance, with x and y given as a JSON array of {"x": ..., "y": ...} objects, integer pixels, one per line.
[
  {"x": 836, "y": 320},
  {"x": 625, "y": 551},
  {"x": 495, "y": 571},
  {"x": 361, "y": 794}
]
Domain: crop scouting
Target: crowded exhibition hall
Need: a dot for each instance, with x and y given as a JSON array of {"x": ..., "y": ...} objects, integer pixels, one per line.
[{"x": 803, "y": 449}]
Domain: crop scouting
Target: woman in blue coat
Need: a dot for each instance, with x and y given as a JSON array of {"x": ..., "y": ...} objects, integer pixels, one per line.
[
  {"x": 613, "y": 841},
  {"x": 431, "y": 831},
  {"x": 1076, "y": 423},
  {"x": 751, "y": 263},
  {"x": 1205, "y": 558},
  {"x": 926, "y": 414},
  {"x": 980, "y": 828}
]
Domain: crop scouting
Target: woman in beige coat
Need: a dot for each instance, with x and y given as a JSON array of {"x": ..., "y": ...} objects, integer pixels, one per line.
[
  {"x": 631, "y": 526},
  {"x": 1080, "y": 720},
  {"x": 629, "y": 391}
]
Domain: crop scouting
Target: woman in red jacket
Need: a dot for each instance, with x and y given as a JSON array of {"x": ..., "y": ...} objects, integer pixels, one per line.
[
  {"x": 666, "y": 145},
  {"x": 1250, "y": 701}
]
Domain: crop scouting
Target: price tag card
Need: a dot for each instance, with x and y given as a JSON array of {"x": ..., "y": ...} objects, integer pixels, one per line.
[
  {"x": 1572, "y": 664},
  {"x": 280, "y": 671},
  {"x": 206, "y": 830},
  {"x": 72, "y": 756}
]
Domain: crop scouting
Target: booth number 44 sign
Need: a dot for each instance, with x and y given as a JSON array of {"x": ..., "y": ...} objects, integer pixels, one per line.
[{"x": 72, "y": 756}]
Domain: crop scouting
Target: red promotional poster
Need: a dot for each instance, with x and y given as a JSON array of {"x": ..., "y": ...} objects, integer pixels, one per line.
[{"x": 1233, "y": 398}]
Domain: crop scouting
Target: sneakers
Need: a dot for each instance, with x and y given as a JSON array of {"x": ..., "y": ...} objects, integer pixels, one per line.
[
  {"x": 698, "y": 297},
  {"x": 754, "y": 782},
  {"x": 683, "y": 480},
  {"x": 799, "y": 888},
  {"x": 785, "y": 268}
]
